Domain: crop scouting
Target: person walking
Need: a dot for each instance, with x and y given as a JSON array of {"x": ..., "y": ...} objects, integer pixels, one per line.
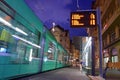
[
  {"x": 105, "y": 70},
  {"x": 80, "y": 66}
]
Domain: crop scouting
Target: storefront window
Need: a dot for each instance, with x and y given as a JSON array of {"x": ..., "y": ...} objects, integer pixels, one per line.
[
  {"x": 113, "y": 35},
  {"x": 114, "y": 55},
  {"x": 105, "y": 61},
  {"x": 114, "y": 58}
]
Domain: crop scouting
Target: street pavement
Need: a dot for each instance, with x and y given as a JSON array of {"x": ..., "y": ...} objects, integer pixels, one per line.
[
  {"x": 60, "y": 74},
  {"x": 113, "y": 74}
]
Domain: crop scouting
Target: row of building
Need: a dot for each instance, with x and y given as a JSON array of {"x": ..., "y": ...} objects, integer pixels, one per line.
[
  {"x": 110, "y": 19},
  {"x": 63, "y": 37}
]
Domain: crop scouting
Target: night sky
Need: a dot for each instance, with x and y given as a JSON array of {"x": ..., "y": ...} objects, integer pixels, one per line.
[{"x": 58, "y": 11}]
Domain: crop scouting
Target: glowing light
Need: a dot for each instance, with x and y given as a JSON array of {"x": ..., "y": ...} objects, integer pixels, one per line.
[
  {"x": 88, "y": 43},
  {"x": 12, "y": 27},
  {"x": 30, "y": 57},
  {"x": 26, "y": 41},
  {"x": 45, "y": 59},
  {"x": 92, "y": 19},
  {"x": 83, "y": 18},
  {"x": 53, "y": 29},
  {"x": 76, "y": 19},
  {"x": 19, "y": 30},
  {"x": 5, "y": 22},
  {"x": 105, "y": 26}
]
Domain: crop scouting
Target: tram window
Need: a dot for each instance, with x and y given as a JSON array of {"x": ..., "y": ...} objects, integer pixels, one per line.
[
  {"x": 35, "y": 53},
  {"x": 51, "y": 51},
  {"x": 21, "y": 44},
  {"x": 0, "y": 30}
]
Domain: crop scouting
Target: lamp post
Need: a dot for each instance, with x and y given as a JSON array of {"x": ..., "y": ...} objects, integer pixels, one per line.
[{"x": 100, "y": 41}]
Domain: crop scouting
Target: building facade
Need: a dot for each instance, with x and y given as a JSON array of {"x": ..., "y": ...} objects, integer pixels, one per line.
[
  {"x": 110, "y": 18},
  {"x": 62, "y": 36}
]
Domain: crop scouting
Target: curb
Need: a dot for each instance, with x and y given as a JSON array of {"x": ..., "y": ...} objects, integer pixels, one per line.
[{"x": 95, "y": 77}]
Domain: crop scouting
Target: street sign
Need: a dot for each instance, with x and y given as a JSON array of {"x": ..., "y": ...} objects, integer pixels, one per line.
[{"x": 83, "y": 19}]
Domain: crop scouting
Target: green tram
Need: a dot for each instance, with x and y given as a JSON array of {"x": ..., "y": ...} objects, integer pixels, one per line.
[{"x": 26, "y": 45}]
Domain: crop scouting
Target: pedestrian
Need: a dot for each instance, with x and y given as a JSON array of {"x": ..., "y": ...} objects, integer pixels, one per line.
[
  {"x": 80, "y": 66},
  {"x": 77, "y": 62},
  {"x": 104, "y": 74}
]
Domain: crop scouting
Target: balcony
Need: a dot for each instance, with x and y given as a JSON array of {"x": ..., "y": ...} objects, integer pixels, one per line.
[
  {"x": 105, "y": 7},
  {"x": 112, "y": 43},
  {"x": 111, "y": 20}
]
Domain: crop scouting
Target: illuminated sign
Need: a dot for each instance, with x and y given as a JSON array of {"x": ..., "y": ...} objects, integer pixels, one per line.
[{"x": 83, "y": 19}]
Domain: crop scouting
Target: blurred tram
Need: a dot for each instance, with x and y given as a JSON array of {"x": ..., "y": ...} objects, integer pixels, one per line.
[{"x": 26, "y": 45}]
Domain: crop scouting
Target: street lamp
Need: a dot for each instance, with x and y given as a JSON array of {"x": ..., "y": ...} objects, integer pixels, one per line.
[{"x": 53, "y": 29}]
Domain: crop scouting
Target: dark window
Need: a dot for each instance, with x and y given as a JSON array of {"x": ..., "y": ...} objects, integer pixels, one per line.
[
  {"x": 105, "y": 42},
  {"x": 119, "y": 32},
  {"x": 60, "y": 40},
  {"x": 51, "y": 51},
  {"x": 112, "y": 37}
]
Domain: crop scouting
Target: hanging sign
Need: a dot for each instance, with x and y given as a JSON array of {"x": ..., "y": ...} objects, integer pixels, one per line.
[{"x": 83, "y": 19}]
